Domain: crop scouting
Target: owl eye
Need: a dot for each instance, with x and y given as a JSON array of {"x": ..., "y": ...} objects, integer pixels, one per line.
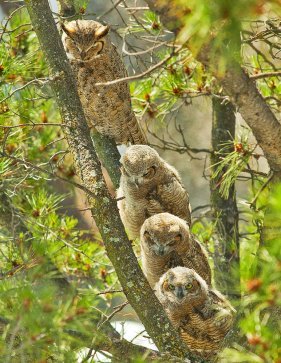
[
  {"x": 146, "y": 234},
  {"x": 150, "y": 173},
  {"x": 188, "y": 286},
  {"x": 171, "y": 287},
  {"x": 178, "y": 238}
]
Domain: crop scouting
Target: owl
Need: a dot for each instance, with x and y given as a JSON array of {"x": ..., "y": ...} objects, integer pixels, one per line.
[
  {"x": 202, "y": 315},
  {"x": 149, "y": 185},
  {"x": 166, "y": 242},
  {"x": 94, "y": 59}
]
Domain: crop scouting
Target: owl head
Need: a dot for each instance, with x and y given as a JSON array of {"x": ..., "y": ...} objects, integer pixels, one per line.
[
  {"x": 84, "y": 39},
  {"x": 164, "y": 233},
  {"x": 181, "y": 285},
  {"x": 140, "y": 164}
]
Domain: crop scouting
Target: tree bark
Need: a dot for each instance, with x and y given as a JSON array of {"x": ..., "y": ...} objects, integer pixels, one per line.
[
  {"x": 238, "y": 86},
  {"x": 103, "y": 207},
  {"x": 226, "y": 257}
]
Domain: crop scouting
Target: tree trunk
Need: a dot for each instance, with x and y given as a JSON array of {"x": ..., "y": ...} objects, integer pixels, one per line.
[
  {"x": 226, "y": 257},
  {"x": 103, "y": 207}
]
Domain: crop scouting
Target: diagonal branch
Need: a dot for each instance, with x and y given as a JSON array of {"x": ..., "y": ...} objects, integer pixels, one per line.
[{"x": 104, "y": 208}]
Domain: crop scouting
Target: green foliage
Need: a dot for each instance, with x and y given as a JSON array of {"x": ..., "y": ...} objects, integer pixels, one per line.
[
  {"x": 232, "y": 163},
  {"x": 41, "y": 242},
  {"x": 260, "y": 306}
]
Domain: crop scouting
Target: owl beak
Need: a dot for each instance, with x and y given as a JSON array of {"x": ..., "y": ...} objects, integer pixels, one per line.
[
  {"x": 83, "y": 54},
  {"x": 136, "y": 181},
  {"x": 160, "y": 250},
  {"x": 179, "y": 292}
]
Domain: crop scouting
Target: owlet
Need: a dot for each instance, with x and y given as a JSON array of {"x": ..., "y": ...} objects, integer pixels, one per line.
[
  {"x": 94, "y": 59},
  {"x": 149, "y": 186},
  {"x": 166, "y": 242},
  {"x": 202, "y": 315}
]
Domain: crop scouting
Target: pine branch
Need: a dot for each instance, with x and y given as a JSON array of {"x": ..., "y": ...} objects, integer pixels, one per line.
[{"x": 238, "y": 85}]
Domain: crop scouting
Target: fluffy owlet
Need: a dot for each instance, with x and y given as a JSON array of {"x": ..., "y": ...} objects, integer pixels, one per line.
[
  {"x": 202, "y": 315},
  {"x": 166, "y": 242},
  {"x": 149, "y": 186},
  {"x": 94, "y": 59}
]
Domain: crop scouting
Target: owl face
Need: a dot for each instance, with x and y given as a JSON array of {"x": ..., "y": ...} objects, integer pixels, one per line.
[
  {"x": 181, "y": 285},
  {"x": 140, "y": 164},
  {"x": 84, "y": 39},
  {"x": 164, "y": 233}
]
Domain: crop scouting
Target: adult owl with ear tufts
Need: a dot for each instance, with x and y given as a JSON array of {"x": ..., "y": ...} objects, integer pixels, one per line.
[{"x": 94, "y": 59}]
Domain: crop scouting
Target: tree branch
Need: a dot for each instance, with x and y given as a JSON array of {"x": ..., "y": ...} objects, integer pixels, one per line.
[
  {"x": 265, "y": 75},
  {"x": 238, "y": 85},
  {"x": 104, "y": 208},
  {"x": 226, "y": 256}
]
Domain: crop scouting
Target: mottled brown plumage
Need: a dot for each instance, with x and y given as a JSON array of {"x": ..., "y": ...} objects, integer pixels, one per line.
[
  {"x": 166, "y": 242},
  {"x": 202, "y": 315},
  {"x": 94, "y": 59},
  {"x": 150, "y": 186}
]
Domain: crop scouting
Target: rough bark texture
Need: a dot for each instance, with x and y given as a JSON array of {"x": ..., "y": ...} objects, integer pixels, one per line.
[
  {"x": 104, "y": 208},
  {"x": 225, "y": 211},
  {"x": 239, "y": 87},
  {"x": 109, "y": 156}
]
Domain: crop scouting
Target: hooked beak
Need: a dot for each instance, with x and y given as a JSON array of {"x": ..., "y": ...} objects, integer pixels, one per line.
[
  {"x": 179, "y": 292},
  {"x": 136, "y": 182}
]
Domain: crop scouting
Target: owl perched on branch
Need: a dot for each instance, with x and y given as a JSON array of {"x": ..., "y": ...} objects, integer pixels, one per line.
[
  {"x": 202, "y": 315},
  {"x": 166, "y": 242},
  {"x": 149, "y": 186},
  {"x": 94, "y": 59}
]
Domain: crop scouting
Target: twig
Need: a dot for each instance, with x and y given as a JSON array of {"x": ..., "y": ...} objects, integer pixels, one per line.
[
  {"x": 37, "y": 80},
  {"x": 109, "y": 292},
  {"x": 266, "y": 75},
  {"x": 30, "y": 165},
  {"x": 253, "y": 202},
  {"x": 141, "y": 75},
  {"x": 109, "y": 10},
  {"x": 7, "y": 22},
  {"x": 116, "y": 310},
  {"x": 32, "y": 125}
]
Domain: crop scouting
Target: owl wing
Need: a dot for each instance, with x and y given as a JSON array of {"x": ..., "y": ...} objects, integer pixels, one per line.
[
  {"x": 197, "y": 338},
  {"x": 198, "y": 260},
  {"x": 170, "y": 197},
  {"x": 123, "y": 90},
  {"x": 222, "y": 311}
]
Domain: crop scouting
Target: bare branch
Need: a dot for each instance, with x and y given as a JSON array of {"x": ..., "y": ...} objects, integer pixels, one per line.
[{"x": 265, "y": 75}]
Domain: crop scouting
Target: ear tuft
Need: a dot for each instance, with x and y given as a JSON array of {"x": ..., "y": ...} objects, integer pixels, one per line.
[
  {"x": 102, "y": 31},
  {"x": 68, "y": 30}
]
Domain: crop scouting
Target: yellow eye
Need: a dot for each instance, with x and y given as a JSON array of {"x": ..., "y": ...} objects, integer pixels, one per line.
[
  {"x": 171, "y": 287},
  {"x": 188, "y": 286}
]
